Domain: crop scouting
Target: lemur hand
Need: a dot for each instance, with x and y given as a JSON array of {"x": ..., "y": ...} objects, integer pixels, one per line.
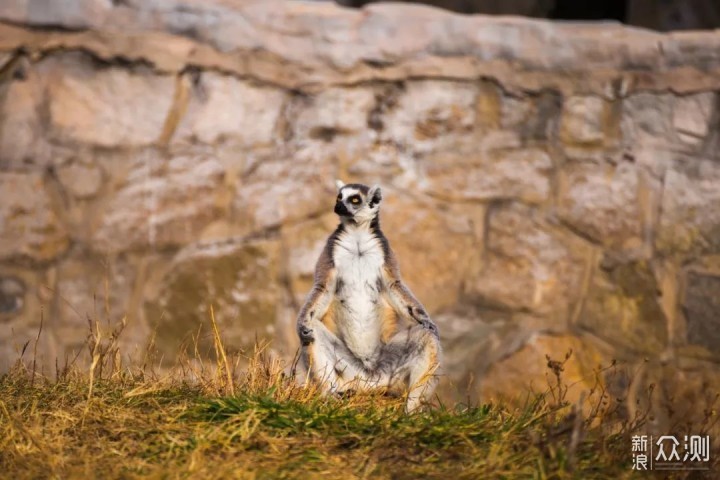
[
  {"x": 306, "y": 334},
  {"x": 421, "y": 316},
  {"x": 429, "y": 325}
]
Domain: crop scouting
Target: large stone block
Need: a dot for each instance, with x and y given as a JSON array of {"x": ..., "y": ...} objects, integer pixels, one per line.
[
  {"x": 602, "y": 202},
  {"x": 532, "y": 265},
  {"x": 99, "y": 290},
  {"x": 647, "y": 119},
  {"x": 161, "y": 202},
  {"x": 24, "y": 296},
  {"x": 282, "y": 191},
  {"x": 22, "y": 141},
  {"x": 430, "y": 113},
  {"x": 437, "y": 245},
  {"x": 690, "y": 209},
  {"x": 691, "y": 116},
  {"x": 29, "y": 227},
  {"x": 494, "y": 169},
  {"x": 239, "y": 280},
  {"x": 473, "y": 340},
  {"x": 584, "y": 120},
  {"x": 623, "y": 308},
  {"x": 528, "y": 370},
  {"x": 674, "y": 396},
  {"x": 701, "y": 308},
  {"x": 12, "y": 296},
  {"x": 107, "y": 106},
  {"x": 222, "y": 106},
  {"x": 335, "y": 111},
  {"x": 534, "y": 117},
  {"x": 77, "y": 14},
  {"x": 81, "y": 179}
]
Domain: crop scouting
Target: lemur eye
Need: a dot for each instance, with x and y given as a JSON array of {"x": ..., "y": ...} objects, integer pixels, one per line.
[{"x": 355, "y": 200}]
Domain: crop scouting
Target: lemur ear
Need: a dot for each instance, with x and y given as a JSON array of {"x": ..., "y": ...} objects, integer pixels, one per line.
[
  {"x": 375, "y": 195},
  {"x": 339, "y": 184}
]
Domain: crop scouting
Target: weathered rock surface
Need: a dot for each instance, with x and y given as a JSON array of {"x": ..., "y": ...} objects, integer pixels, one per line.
[
  {"x": 21, "y": 139},
  {"x": 432, "y": 112},
  {"x": 602, "y": 202},
  {"x": 23, "y": 292},
  {"x": 690, "y": 210},
  {"x": 691, "y": 116},
  {"x": 222, "y": 106},
  {"x": 701, "y": 309},
  {"x": 80, "y": 179},
  {"x": 414, "y": 226},
  {"x": 532, "y": 265},
  {"x": 336, "y": 111},
  {"x": 531, "y": 367},
  {"x": 673, "y": 393},
  {"x": 493, "y": 169},
  {"x": 622, "y": 307},
  {"x": 584, "y": 120},
  {"x": 29, "y": 228},
  {"x": 95, "y": 292},
  {"x": 107, "y": 107},
  {"x": 235, "y": 280},
  {"x": 647, "y": 119},
  {"x": 285, "y": 190},
  {"x": 162, "y": 202}
]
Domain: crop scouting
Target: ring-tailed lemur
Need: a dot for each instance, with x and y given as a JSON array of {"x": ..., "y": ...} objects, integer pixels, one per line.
[{"x": 351, "y": 326}]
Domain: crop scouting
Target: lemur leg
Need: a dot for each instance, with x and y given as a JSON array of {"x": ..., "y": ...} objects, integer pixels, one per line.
[
  {"x": 409, "y": 363},
  {"x": 317, "y": 342},
  {"x": 329, "y": 362}
]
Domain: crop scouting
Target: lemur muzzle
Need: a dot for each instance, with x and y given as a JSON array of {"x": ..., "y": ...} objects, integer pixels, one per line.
[{"x": 341, "y": 209}]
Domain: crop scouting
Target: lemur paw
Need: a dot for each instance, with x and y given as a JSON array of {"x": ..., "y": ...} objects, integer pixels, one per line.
[
  {"x": 427, "y": 324},
  {"x": 307, "y": 336}
]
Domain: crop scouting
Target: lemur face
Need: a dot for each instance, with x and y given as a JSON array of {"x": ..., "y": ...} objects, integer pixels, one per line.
[{"x": 357, "y": 202}]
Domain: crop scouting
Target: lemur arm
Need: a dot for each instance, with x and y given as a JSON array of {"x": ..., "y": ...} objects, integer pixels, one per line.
[
  {"x": 401, "y": 298},
  {"x": 319, "y": 298}
]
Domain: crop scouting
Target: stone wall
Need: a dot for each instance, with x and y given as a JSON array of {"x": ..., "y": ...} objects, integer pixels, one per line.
[{"x": 547, "y": 186}]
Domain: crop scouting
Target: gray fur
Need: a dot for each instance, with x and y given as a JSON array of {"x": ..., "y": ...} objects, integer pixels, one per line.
[{"x": 356, "y": 278}]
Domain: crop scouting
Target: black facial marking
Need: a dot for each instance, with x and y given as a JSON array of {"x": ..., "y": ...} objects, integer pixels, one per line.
[
  {"x": 342, "y": 210},
  {"x": 379, "y": 284},
  {"x": 312, "y": 313},
  {"x": 339, "y": 286},
  {"x": 410, "y": 311}
]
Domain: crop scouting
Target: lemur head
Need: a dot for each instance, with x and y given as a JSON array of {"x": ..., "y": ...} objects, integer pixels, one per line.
[{"x": 357, "y": 203}]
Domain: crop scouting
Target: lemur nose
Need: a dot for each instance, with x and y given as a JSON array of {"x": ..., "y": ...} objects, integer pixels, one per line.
[{"x": 341, "y": 209}]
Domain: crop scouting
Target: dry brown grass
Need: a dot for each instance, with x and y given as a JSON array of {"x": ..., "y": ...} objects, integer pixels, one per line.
[{"x": 216, "y": 420}]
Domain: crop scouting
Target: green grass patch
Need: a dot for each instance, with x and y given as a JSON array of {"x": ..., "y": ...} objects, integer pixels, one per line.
[{"x": 140, "y": 428}]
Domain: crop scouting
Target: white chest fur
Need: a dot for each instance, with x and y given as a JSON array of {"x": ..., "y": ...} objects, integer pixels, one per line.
[{"x": 358, "y": 258}]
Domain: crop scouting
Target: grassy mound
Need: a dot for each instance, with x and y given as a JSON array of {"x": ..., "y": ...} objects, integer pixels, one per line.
[
  {"x": 261, "y": 424},
  {"x": 218, "y": 421}
]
